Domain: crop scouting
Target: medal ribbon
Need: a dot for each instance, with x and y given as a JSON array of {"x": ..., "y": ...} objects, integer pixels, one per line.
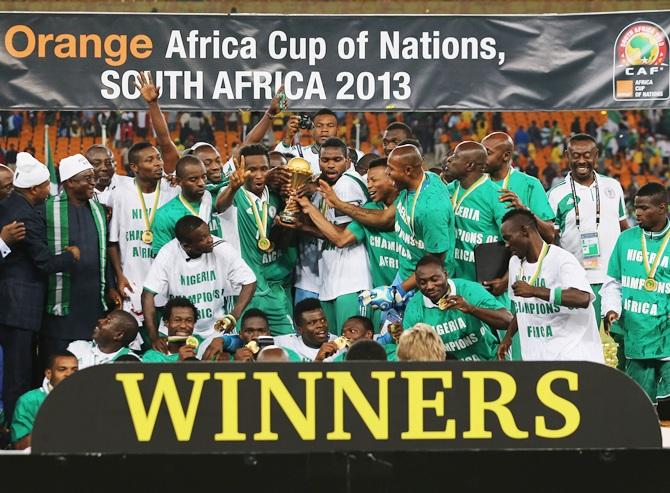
[
  {"x": 416, "y": 198},
  {"x": 456, "y": 204},
  {"x": 506, "y": 180},
  {"x": 538, "y": 269},
  {"x": 261, "y": 223},
  {"x": 651, "y": 271},
  {"x": 188, "y": 206},
  {"x": 149, "y": 221}
]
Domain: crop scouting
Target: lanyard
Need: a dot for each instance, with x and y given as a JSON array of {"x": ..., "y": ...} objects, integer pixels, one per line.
[
  {"x": 506, "y": 180},
  {"x": 416, "y": 198},
  {"x": 261, "y": 222},
  {"x": 574, "y": 198},
  {"x": 456, "y": 204},
  {"x": 538, "y": 269},
  {"x": 188, "y": 206},
  {"x": 651, "y": 271},
  {"x": 148, "y": 221}
]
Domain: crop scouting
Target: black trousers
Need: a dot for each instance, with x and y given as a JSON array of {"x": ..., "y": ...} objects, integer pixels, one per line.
[{"x": 17, "y": 351}]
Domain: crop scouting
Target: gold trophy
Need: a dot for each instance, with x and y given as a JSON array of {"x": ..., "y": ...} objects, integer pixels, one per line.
[{"x": 301, "y": 173}]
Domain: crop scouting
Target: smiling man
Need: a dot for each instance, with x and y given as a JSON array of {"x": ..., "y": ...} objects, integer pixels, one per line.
[
  {"x": 180, "y": 318},
  {"x": 111, "y": 337},
  {"x": 590, "y": 214},
  {"x": 312, "y": 341},
  {"x": 77, "y": 300},
  {"x": 461, "y": 312},
  {"x": 551, "y": 297}
]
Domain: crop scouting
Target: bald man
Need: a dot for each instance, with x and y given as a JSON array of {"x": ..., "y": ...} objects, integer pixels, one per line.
[
  {"x": 478, "y": 216},
  {"x": 422, "y": 217},
  {"x": 517, "y": 189},
  {"x": 273, "y": 354}
]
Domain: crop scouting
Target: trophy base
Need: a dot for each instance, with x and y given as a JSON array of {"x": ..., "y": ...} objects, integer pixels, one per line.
[{"x": 287, "y": 218}]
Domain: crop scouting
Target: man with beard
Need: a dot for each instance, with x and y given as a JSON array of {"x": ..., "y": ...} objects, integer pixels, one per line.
[
  {"x": 394, "y": 135},
  {"x": 590, "y": 215},
  {"x": 104, "y": 166},
  {"x": 77, "y": 299}
]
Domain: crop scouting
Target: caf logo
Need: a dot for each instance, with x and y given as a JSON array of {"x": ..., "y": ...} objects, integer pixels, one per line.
[{"x": 641, "y": 63}]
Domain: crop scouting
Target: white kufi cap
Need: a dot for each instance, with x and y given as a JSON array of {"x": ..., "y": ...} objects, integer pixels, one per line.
[
  {"x": 29, "y": 171},
  {"x": 73, "y": 165}
]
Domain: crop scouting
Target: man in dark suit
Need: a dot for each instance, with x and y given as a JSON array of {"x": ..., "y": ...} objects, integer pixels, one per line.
[{"x": 23, "y": 276}]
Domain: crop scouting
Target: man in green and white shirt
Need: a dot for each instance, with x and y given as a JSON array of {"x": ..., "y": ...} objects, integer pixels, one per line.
[
  {"x": 180, "y": 317},
  {"x": 478, "y": 216},
  {"x": 134, "y": 205},
  {"x": 551, "y": 297},
  {"x": 110, "y": 340},
  {"x": 590, "y": 214},
  {"x": 60, "y": 365},
  {"x": 461, "y": 312},
  {"x": 193, "y": 200},
  {"x": 213, "y": 276},
  {"x": 247, "y": 211},
  {"x": 421, "y": 215},
  {"x": 637, "y": 292},
  {"x": 381, "y": 246}
]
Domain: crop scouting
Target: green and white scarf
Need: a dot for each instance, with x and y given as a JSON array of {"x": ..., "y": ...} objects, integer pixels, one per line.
[{"x": 56, "y": 211}]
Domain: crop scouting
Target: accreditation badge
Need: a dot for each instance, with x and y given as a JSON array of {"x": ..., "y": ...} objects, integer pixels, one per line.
[{"x": 590, "y": 250}]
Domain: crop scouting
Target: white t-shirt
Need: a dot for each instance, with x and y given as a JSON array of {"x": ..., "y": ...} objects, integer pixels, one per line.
[
  {"x": 295, "y": 343},
  {"x": 549, "y": 332},
  {"x": 88, "y": 354},
  {"x": 210, "y": 281},
  {"x": 612, "y": 210},
  {"x": 126, "y": 228},
  {"x": 344, "y": 270},
  {"x": 105, "y": 197}
]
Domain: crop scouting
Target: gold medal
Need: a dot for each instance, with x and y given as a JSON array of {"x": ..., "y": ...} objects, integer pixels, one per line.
[
  {"x": 147, "y": 237},
  {"x": 650, "y": 284},
  {"x": 342, "y": 342},
  {"x": 253, "y": 346},
  {"x": 192, "y": 341},
  {"x": 265, "y": 244}
]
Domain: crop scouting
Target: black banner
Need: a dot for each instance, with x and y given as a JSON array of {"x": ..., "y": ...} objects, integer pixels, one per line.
[
  {"x": 306, "y": 408},
  {"x": 424, "y": 63}
]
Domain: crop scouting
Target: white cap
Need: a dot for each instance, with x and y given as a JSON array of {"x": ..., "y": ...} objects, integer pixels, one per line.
[
  {"x": 29, "y": 171},
  {"x": 73, "y": 165}
]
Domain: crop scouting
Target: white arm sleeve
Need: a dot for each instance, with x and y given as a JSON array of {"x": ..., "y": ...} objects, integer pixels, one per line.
[{"x": 610, "y": 295}]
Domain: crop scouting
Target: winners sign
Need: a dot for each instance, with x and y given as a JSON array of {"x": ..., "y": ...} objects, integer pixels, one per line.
[
  {"x": 304, "y": 408},
  {"x": 64, "y": 61}
]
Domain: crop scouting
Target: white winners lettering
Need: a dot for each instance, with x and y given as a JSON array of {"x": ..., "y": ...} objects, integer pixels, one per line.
[
  {"x": 640, "y": 307},
  {"x": 468, "y": 213},
  {"x": 380, "y": 242},
  {"x": 638, "y": 283},
  {"x": 391, "y": 262},
  {"x": 407, "y": 238},
  {"x": 633, "y": 255}
]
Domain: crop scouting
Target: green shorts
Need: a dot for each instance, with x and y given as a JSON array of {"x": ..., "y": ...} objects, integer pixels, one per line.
[
  {"x": 653, "y": 375},
  {"x": 274, "y": 303},
  {"x": 340, "y": 309}
]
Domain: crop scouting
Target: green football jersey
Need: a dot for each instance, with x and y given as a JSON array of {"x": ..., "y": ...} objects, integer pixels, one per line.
[
  {"x": 530, "y": 192},
  {"x": 465, "y": 337},
  {"x": 423, "y": 226},
  {"x": 478, "y": 218},
  {"x": 167, "y": 217},
  {"x": 389, "y": 348},
  {"x": 645, "y": 315},
  {"x": 26, "y": 412},
  {"x": 382, "y": 247}
]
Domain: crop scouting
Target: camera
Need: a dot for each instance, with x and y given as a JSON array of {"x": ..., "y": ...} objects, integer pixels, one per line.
[{"x": 305, "y": 122}]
